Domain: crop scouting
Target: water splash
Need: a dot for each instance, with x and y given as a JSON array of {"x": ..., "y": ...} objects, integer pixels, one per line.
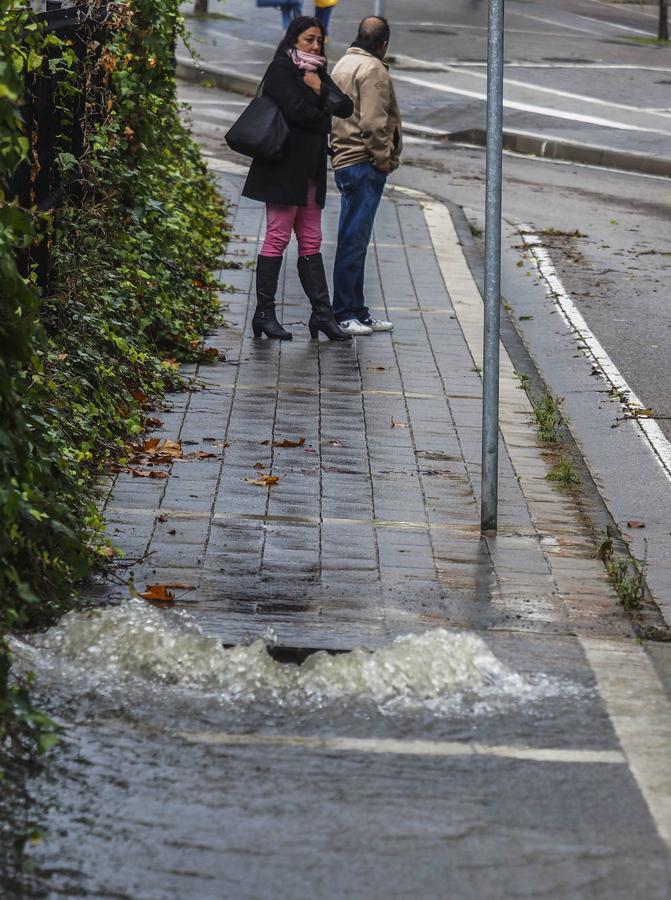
[{"x": 138, "y": 643}]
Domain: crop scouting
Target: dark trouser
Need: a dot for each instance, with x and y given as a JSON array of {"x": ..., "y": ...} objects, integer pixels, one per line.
[
  {"x": 323, "y": 13},
  {"x": 290, "y": 10},
  {"x": 361, "y": 188}
]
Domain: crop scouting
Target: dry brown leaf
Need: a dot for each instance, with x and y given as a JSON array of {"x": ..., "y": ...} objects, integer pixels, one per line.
[
  {"x": 148, "y": 473},
  {"x": 377, "y": 368},
  {"x": 152, "y": 422},
  {"x": 264, "y": 480},
  {"x": 259, "y": 465},
  {"x": 264, "y": 443},
  {"x": 635, "y": 523},
  {"x": 287, "y": 442},
  {"x": 158, "y": 593}
]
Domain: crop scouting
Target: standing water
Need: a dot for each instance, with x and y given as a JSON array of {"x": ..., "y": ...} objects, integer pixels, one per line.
[{"x": 207, "y": 754}]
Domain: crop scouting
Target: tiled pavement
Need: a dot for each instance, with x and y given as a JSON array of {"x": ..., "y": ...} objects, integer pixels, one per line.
[{"x": 373, "y": 529}]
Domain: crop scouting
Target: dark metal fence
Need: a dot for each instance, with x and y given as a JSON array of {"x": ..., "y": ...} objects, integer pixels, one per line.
[{"x": 54, "y": 121}]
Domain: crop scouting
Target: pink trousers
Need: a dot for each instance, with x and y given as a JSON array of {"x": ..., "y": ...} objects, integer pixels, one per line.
[{"x": 306, "y": 221}]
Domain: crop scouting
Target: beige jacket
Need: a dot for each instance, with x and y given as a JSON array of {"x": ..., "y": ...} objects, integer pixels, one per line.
[{"x": 373, "y": 131}]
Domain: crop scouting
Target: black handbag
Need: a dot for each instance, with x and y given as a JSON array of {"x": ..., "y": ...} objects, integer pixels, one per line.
[{"x": 261, "y": 130}]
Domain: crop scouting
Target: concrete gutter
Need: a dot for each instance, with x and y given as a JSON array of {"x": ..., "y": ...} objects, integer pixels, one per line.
[{"x": 523, "y": 142}]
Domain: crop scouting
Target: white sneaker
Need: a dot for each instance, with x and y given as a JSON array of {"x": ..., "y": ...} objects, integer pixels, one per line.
[
  {"x": 354, "y": 326},
  {"x": 378, "y": 324}
]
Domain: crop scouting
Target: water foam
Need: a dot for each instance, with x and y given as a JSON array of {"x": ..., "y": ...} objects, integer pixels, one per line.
[{"x": 136, "y": 642}]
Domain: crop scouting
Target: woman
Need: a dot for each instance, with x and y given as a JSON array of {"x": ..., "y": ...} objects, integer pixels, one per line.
[{"x": 294, "y": 187}]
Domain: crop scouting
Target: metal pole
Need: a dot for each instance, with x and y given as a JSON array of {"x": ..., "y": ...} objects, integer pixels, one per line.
[
  {"x": 490, "y": 393},
  {"x": 379, "y": 7}
]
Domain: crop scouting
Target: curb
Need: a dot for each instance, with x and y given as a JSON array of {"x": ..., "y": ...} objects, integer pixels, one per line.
[{"x": 526, "y": 143}]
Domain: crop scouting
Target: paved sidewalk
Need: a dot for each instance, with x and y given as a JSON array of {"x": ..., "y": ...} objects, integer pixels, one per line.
[{"x": 373, "y": 527}]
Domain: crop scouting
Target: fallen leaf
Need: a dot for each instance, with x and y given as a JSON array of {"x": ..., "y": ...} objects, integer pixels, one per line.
[
  {"x": 377, "y": 368},
  {"x": 635, "y": 523},
  {"x": 287, "y": 442},
  {"x": 158, "y": 593},
  {"x": 395, "y": 424},
  {"x": 335, "y": 443},
  {"x": 153, "y": 423},
  {"x": 309, "y": 450},
  {"x": 176, "y": 586},
  {"x": 264, "y": 443},
  {"x": 264, "y": 480},
  {"x": 162, "y": 518},
  {"x": 148, "y": 473},
  {"x": 203, "y": 454},
  {"x": 259, "y": 465}
]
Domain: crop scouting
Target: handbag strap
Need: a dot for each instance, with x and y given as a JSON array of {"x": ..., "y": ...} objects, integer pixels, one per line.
[{"x": 259, "y": 90}]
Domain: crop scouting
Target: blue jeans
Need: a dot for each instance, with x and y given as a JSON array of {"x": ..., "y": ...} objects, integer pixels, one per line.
[
  {"x": 361, "y": 188},
  {"x": 323, "y": 13},
  {"x": 290, "y": 11}
]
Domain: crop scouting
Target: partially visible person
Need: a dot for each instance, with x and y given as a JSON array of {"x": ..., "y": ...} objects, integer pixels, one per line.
[
  {"x": 366, "y": 149},
  {"x": 294, "y": 187},
  {"x": 323, "y": 10},
  {"x": 290, "y": 10}
]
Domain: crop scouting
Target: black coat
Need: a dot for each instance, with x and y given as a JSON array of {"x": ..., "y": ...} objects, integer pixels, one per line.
[{"x": 308, "y": 116}]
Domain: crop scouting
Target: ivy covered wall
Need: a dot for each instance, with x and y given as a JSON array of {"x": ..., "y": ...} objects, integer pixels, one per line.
[{"x": 131, "y": 238}]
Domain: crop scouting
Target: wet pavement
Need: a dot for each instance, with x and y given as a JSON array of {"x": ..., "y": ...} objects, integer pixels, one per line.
[{"x": 517, "y": 745}]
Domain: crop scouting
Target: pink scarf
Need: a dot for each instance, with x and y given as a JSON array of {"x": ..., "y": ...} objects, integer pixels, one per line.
[{"x": 306, "y": 62}]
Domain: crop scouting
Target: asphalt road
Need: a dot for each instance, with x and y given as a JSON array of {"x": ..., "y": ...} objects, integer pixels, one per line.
[{"x": 575, "y": 69}]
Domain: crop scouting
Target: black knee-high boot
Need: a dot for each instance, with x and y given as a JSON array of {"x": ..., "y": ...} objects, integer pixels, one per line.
[
  {"x": 265, "y": 320},
  {"x": 313, "y": 278}
]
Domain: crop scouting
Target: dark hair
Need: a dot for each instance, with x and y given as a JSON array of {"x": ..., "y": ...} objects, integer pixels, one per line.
[
  {"x": 296, "y": 28},
  {"x": 373, "y": 33}
]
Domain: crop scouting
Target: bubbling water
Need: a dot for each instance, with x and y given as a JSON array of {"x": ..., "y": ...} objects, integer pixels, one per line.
[{"x": 136, "y": 643}]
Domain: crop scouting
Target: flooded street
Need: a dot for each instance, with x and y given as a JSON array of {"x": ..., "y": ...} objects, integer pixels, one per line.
[
  {"x": 425, "y": 765},
  {"x": 354, "y": 693}
]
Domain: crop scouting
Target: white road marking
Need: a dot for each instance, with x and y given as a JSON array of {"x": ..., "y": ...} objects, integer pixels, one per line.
[
  {"x": 407, "y": 747},
  {"x": 555, "y": 92},
  {"x": 649, "y": 430},
  {"x": 639, "y": 11},
  {"x": 620, "y": 27},
  {"x": 562, "y": 25},
  {"x": 641, "y": 715},
  {"x": 529, "y": 107}
]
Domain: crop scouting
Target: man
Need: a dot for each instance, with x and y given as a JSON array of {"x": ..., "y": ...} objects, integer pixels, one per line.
[{"x": 366, "y": 149}]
